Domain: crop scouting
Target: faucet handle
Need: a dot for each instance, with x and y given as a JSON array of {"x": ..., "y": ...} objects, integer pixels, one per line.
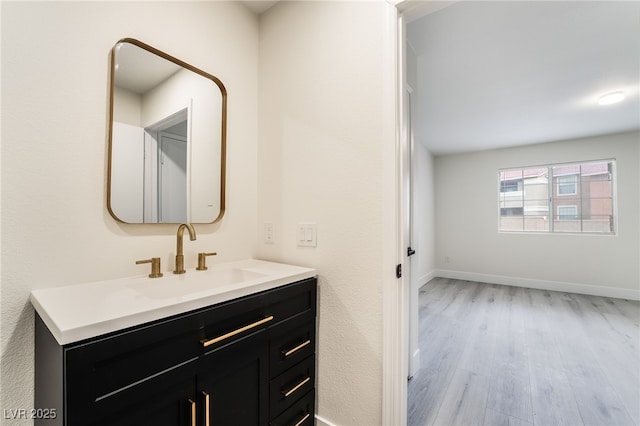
[
  {"x": 155, "y": 266},
  {"x": 202, "y": 261}
]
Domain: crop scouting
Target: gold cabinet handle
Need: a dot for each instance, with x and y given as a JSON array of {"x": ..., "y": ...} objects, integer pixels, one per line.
[
  {"x": 207, "y": 421},
  {"x": 296, "y": 349},
  {"x": 296, "y": 387},
  {"x": 202, "y": 261},
  {"x": 155, "y": 266},
  {"x": 206, "y": 342},
  {"x": 193, "y": 412},
  {"x": 302, "y": 420}
]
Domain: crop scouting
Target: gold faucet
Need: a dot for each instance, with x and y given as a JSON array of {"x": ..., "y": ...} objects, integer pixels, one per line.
[
  {"x": 179, "y": 251},
  {"x": 202, "y": 261},
  {"x": 155, "y": 266}
]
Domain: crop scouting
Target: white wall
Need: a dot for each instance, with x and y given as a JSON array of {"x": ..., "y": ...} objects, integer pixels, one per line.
[
  {"x": 467, "y": 218},
  {"x": 129, "y": 107},
  {"x": 55, "y": 225},
  {"x": 127, "y": 172},
  {"x": 324, "y": 127}
]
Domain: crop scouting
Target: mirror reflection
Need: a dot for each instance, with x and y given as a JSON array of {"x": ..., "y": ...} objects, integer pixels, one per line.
[{"x": 167, "y": 139}]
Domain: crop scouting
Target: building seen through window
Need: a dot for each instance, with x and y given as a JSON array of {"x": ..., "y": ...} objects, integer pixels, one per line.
[{"x": 558, "y": 198}]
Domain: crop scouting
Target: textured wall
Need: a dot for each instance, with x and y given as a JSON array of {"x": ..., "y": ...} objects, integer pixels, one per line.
[
  {"x": 323, "y": 128},
  {"x": 325, "y": 115},
  {"x": 55, "y": 226}
]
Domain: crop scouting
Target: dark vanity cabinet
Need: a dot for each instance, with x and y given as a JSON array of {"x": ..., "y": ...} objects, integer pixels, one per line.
[{"x": 248, "y": 361}]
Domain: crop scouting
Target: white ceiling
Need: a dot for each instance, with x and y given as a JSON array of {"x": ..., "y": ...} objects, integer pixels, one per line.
[
  {"x": 497, "y": 74},
  {"x": 138, "y": 70}
]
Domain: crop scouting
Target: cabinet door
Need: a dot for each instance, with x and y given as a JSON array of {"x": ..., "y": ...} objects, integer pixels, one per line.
[
  {"x": 233, "y": 383},
  {"x": 168, "y": 399}
]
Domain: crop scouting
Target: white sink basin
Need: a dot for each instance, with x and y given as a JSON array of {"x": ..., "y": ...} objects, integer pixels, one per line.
[
  {"x": 180, "y": 286},
  {"x": 82, "y": 311}
]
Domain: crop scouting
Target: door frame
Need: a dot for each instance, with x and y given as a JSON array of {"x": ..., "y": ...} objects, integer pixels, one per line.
[
  {"x": 395, "y": 348},
  {"x": 396, "y": 291},
  {"x": 152, "y": 206},
  {"x": 165, "y": 166}
]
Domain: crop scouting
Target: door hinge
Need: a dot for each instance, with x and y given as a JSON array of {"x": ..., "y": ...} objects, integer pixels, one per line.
[{"x": 399, "y": 270}]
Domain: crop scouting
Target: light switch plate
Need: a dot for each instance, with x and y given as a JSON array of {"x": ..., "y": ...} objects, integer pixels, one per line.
[{"x": 306, "y": 235}]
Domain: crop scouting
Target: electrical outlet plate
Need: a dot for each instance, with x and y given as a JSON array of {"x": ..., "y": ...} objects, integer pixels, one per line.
[
  {"x": 306, "y": 235},
  {"x": 268, "y": 233}
]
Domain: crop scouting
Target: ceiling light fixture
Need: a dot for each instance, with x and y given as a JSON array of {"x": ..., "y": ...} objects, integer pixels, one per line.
[{"x": 610, "y": 98}]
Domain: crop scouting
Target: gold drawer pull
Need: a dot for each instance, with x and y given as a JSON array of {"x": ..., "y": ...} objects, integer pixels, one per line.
[
  {"x": 303, "y": 420},
  {"x": 296, "y": 387},
  {"x": 193, "y": 412},
  {"x": 296, "y": 349},
  {"x": 206, "y": 342},
  {"x": 207, "y": 421}
]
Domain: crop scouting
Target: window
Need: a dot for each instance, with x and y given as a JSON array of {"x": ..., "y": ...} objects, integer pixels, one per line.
[
  {"x": 509, "y": 186},
  {"x": 568, "y": 185},
  {"x": 567, "y": 212},
  {"x": 511, "y": 211},
  {"x": 556, "y": 198}
]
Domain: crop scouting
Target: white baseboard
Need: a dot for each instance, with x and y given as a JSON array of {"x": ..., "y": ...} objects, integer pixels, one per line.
[
  {"x": 426, "y": 278},
  {"x": 323, "y": 422},
  {"x": 593, "y": 290}
]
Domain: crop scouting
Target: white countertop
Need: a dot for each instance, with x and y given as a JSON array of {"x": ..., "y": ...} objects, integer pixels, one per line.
[{"x": 77, "y": 312}]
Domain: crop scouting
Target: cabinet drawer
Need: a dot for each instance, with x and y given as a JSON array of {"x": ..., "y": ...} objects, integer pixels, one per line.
[
  {"x": 291, "y": 385},
  {"x": 290, "y": 343},
  {"x": 300, "y": 413},
  {"x": 226, "y": 322}
]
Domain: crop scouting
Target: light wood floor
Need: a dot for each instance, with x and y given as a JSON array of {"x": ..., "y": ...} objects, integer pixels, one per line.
[{"x": 499, "y": 355}]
